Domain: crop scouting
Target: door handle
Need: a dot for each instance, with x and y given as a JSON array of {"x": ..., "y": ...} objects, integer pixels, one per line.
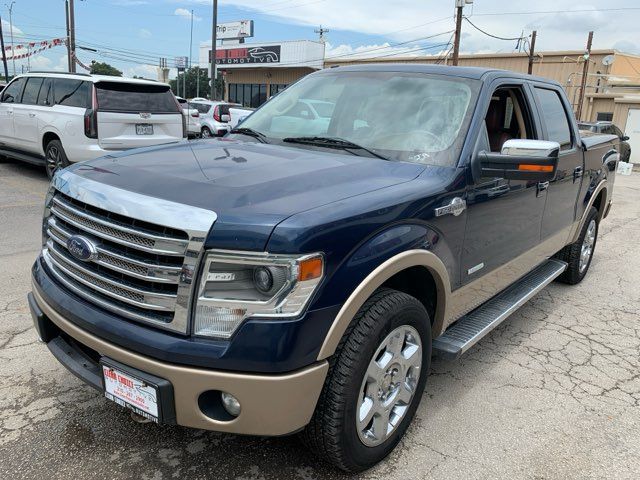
[
  {"x": 577, "y": 173},
  {"x": 542, "y": 186},
  {"x": 32, "y": 115},
  {"x": 9, "y": 112}
]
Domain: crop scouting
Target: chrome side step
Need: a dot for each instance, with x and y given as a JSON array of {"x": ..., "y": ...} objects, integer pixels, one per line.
[{"x": 471, "y": 328}]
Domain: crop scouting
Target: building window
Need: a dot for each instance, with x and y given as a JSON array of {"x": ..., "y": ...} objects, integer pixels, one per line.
[
  {"x": 276, "y": 88},
  {"x": 248, "y": 95},
  {"x": 605, "y": 117}
]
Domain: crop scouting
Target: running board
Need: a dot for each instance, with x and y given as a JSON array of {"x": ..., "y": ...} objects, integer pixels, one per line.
[{"x": 471, "y": 328}]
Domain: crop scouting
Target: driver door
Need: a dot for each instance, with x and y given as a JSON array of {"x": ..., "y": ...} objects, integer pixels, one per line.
[{"x": 504, "y": 217}]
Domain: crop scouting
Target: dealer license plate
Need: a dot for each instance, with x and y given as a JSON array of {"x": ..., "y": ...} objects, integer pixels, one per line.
[
  {"x": 131, "y": 392},
  {"x": 144, "y": 129}
]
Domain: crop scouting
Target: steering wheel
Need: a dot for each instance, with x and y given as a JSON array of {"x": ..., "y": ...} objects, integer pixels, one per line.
[{"x": 414, "y": 139}]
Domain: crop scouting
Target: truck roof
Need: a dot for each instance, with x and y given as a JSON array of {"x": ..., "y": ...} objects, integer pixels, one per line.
[
  {"x": 476, "y": 73},
  {"x": 91, "y": 78}
]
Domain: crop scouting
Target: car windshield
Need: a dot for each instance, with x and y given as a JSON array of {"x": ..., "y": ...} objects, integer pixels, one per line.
[
  {"x": 401, "y": 116},
  {"x": 587, "y": 127}
]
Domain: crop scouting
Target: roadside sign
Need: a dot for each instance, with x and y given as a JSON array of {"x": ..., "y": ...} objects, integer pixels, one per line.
[{"x": 235, "y": 30}]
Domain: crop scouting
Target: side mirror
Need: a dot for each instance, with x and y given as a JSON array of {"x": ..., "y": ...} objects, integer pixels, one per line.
[
  {"x": 225, "y": 118},
  {"x": 624, "y": 138},
  {"x": 532, "y": 160}
]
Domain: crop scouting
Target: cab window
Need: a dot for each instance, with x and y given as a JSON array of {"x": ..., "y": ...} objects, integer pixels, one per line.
[
  {"x": 13, "y": 92},
  {"x": 555, "y": 117},
  {"x": 508, "y": 117}
]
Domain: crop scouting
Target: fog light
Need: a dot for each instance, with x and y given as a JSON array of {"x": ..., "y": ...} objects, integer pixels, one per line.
[{"x": 230, "y": 404}]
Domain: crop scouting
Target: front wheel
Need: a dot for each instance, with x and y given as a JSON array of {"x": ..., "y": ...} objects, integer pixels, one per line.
[
  {"x": 56, "y": 158},
  {"x": 374, "y": 384}
]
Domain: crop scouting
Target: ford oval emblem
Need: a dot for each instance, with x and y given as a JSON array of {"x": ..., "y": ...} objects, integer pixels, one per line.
[{"x": 82, "y": 248}]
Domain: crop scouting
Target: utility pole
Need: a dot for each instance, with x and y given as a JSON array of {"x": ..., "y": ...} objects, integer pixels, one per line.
[
  {"x": 214, "y": 39},
  {"x": 532, "y": 50},
  {"x": 72, "y": 35},
  {"x": 456, "y": 41},
  {"x": 66, "y": 16},
  {"x": 13, "y": 51},
  {"x": 321, "y": 31},
  {"x": 4, "y": 54},
  {"x": 585, "y": 72}
]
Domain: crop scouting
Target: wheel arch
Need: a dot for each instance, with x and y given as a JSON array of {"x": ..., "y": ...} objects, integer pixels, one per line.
[
  {"x": 421, "y": 261},
  {"x": 47, "y": 137},
  {"x": 599, "y": 198}
]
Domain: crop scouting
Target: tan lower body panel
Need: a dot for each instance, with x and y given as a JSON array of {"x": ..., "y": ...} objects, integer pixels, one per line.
[{"x": 271, "y": 404}]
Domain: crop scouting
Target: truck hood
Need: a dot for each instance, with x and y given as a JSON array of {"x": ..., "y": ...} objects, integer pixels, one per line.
[{"x": 245, "y": 183}]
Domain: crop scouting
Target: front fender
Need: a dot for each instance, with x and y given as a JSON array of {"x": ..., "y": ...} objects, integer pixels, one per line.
[{"x": 376, "y": 260}]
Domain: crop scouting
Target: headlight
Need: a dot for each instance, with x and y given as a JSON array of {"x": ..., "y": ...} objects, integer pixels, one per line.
[{"x": 236, "y": 286}]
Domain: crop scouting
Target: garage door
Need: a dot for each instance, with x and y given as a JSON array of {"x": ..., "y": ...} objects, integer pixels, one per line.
[{"x": 633, "y": 132}]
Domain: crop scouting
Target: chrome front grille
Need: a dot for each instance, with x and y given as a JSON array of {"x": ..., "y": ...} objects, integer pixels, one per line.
[{"x": 142, "y": 270}]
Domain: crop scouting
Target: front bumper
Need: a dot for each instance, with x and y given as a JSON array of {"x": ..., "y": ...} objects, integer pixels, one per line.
[{"x": 271, "y": 404}]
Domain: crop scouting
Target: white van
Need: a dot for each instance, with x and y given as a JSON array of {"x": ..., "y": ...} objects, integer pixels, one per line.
[{"x": 54, "y": 119}]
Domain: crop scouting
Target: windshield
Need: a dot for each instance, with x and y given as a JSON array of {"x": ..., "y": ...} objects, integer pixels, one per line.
[{"x": 401, "y": 116}]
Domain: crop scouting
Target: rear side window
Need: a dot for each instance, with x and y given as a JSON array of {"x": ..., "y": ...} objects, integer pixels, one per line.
[
  {"x": 135, "y": 98},
  {"x": 72, "y": 93},
  {"x": 44, "y": 97},
  {"x": 30, "y": 94},
  {"x": 13, "y": 92},
  {"x": 201, "y": 107},
  {"x": 555, "y": 117}
]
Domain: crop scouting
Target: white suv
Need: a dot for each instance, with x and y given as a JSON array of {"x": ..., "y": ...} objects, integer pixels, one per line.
[
  {"x": 55, "y": 119},
  {"x": 214, "y": 117}
]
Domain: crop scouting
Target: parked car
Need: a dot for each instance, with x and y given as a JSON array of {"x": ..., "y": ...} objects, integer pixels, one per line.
[
  {"x": 275, "y": 282},
  {"x": 192, "y": 118},
  {"x": 238, "y": 115},
  {"x": 214, "y": 117},
  {"x": 55, "y": 119},
  {"x": 608, "y": 128}
]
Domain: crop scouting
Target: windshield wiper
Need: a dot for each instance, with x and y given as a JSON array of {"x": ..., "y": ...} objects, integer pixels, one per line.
[
  {"x": 332, "y": 142},
  {"x": 250, "y": 132}
]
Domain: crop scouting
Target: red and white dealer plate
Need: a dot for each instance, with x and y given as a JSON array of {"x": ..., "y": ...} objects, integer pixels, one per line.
[{"x": 130, "y": 392}]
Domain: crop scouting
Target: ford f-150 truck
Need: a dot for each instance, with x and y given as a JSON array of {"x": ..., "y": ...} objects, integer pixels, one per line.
[{"x": 297, "y": 275}]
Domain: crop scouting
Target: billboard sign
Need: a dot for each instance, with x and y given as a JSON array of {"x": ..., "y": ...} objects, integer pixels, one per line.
[
  {"x": 181, "y": 62},
  {"x": 242, "y": 56},
  {"x": 235, "y": 30}
]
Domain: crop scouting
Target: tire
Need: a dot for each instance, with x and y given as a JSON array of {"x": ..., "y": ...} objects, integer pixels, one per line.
[
  {"x": 334, "y": 433},
  {"x": 572, "y": 254},
  {"x": 55, "y": 157},
  {"x": 206, "y": 132}
]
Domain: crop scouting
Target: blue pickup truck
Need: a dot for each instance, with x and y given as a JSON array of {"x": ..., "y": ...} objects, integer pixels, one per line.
[{"x": 298, "y": 275}]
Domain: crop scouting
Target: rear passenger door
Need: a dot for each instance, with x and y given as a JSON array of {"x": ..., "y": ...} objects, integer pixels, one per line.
[
  {"x": 562, "y": 192},
  {"x": 26, "y": 116}
]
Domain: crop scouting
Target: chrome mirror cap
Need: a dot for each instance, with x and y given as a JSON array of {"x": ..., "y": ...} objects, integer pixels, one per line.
[{"x": 530, "y": 148}]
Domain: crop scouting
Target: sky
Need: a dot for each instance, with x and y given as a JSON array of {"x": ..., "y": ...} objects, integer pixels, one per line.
[{"x": 133, "y": 34}]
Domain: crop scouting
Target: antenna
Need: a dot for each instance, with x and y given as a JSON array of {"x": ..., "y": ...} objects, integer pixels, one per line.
[
  {"x": 608, "y": 60},
  {"x": 321, "y": 31}
]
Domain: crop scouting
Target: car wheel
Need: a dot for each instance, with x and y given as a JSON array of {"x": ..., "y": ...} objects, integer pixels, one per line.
[
  {"x": 56, "y": 158},
  {"x": 578, "y": 255},
  {"x": 206, "y": 133},
  {"x": 374, "y": 384}
]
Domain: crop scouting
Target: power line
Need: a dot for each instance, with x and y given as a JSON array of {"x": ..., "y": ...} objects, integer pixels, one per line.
[
  {"x": 490, "y": 34},
  {"x": 543, "y": 12}
]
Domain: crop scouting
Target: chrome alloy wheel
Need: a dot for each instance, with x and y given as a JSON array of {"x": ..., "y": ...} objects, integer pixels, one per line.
[
  {"x": 54, "y": 160},
  {"x": 587, "y": 246},
  {"x": 389, "y": 385}
]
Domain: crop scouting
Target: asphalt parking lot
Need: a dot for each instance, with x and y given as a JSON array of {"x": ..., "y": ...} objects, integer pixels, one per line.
[{"x": 552, "y": 393}]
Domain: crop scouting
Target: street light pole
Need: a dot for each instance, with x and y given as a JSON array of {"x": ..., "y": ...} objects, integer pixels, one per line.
[
  {"x": 214, "y": 38},
  {"x": 4, "y": 54},
  {"x": 13, "y": 52},
  {"x": 72, "y": 35}
]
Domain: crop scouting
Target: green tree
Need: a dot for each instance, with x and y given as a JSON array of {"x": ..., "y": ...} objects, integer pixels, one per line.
[
  {"x": 102, "y": 68},
  {"x": 191, "y": 77}
]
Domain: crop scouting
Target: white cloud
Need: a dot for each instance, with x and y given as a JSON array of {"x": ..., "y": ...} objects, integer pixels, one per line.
[
  {"x": 146, "y": 71},
  {"x": 561, "y": 24},
  {"x": 186, "y": 14},
  {"x": 6, "y": 30},
  {"x": 144, "y": 33}
]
